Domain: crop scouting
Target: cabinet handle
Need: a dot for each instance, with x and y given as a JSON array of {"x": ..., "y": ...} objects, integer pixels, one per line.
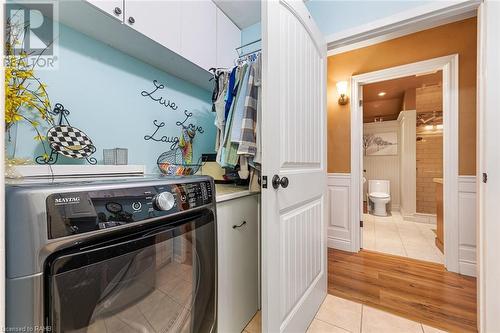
[
  {"x": 239, "y": 225},
  {"x": 131, "y": 20},
  {"x": 118, "y": 10}
]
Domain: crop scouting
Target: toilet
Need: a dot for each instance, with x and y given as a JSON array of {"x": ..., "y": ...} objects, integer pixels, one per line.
[{"x": 379, "y": 192}]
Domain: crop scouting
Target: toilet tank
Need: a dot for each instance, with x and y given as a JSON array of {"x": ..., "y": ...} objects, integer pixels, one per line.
[{"x": 381, "y": 186}]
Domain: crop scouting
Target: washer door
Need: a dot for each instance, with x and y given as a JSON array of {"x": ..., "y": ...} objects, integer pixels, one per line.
[{"x": 160, "y": 280}]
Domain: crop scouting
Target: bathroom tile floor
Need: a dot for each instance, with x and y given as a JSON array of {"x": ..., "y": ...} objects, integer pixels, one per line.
[
  {"x": 338, "y": 315},
  {"x": 393, "y": 235},
  {"x": 341, "y": 315}
]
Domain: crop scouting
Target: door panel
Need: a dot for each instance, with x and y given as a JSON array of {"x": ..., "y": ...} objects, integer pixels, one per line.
[
  {"x": 294, "y": 146},
  {"x": 238, "y": 263},
  {"x": 300, "y": 245}
]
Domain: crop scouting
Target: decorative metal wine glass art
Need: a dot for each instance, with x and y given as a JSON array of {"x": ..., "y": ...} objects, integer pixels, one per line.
[{"x": 66, "y": 140}]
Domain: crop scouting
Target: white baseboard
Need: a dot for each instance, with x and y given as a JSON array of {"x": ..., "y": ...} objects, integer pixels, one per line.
[
  {"x": 339, "y": 244},
  {"x": 467, "y": 268}
]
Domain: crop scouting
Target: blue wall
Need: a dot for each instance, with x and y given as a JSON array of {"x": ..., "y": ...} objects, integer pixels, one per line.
[
  {"x": 251, "y": 33},
  {"x": 335, "y": 16},
  {"x": 102, "y": 86}
]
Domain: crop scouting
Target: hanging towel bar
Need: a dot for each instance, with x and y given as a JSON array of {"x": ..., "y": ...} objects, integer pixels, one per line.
[{"x": 247, "y": 44}]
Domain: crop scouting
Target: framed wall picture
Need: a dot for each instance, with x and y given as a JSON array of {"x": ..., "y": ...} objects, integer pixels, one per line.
[{"x": 380, "y": 144}]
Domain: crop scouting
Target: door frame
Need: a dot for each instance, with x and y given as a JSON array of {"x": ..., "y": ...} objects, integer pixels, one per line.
[
  {"x": 449, "y": 66},
  {"x": 488, "y": 159}
]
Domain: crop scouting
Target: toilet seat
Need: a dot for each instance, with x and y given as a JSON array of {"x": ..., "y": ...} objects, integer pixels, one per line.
[{"x": 379, "y": 195}]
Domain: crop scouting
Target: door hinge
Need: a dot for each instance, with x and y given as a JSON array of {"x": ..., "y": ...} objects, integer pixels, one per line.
[
  {"x": 361, "y": 224},
  {"x": 264, "y": 181},
  {"x": 485, "y": 177},
  {"x": 360, "y": 102}
]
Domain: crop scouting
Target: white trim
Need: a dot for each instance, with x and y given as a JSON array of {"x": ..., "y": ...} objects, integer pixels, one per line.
[
  {"x": 481, "y": 115},
  {"x": 339, "y": 175},
  {"x": 60, "y": 170},
  {"x": 467, "y": 183},
  {"x": 449, "y": 66},
  {"x": 410, "y": 21}
]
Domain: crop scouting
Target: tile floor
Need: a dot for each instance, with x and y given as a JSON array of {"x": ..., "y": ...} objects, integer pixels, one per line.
[
  {"x": 393, "y": 235},
  {"x": 338, "y": 315}
]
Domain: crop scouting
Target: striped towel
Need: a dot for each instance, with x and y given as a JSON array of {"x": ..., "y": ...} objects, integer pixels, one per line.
[{"x": 247, "y": 140}]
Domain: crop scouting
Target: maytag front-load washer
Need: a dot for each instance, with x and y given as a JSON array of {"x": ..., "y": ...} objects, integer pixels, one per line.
[{"x": 111, "y": 255}]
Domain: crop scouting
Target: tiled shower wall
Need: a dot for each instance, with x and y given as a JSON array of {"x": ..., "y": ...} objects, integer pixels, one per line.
[{"x": 429, "y": 166}]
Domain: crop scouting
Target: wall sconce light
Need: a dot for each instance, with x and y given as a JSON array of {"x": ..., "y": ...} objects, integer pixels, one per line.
[{"x": 342, "y": 90}]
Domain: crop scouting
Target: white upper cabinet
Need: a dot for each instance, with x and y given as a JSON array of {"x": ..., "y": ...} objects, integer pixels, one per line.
[
  {"x": 228, "y": 39},
  {"x": 198, "y": 32},
  {"x": 158, "y": 20},
  {"x": 114, "y": 8},
  {"x": 183, "y": 37}
]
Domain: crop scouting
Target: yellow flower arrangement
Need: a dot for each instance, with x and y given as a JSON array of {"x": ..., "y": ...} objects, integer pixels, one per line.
[{"x": 26, "y": 97}]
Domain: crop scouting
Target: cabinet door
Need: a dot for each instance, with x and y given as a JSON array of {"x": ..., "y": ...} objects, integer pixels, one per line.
[
  {"x": 228, "y": 39},
  {"x": 238, "y": 258},
  {"x": 114, "y": 8},
  {"x": 158, "y": 20},
  {"x": 198, "y": 32}
]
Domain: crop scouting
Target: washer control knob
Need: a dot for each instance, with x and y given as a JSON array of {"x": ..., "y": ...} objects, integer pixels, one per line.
[{"x": 164, "y": 201}]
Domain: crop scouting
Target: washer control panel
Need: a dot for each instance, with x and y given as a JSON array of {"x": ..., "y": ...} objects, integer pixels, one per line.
[{"x": 72, "y": 213}]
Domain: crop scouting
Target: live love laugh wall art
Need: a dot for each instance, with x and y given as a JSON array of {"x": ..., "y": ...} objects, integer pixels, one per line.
[{"x": 188, "y": 130}]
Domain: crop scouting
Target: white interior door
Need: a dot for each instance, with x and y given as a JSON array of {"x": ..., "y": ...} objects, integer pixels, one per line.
[
  {"x": 488, "y": 167},
  {"x": 294, "y": 270}
]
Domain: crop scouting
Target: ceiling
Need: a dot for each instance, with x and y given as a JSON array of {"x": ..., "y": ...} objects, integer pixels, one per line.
[
  {"x": 243, "y": 13},
  {"x": 389, "y": 105}
]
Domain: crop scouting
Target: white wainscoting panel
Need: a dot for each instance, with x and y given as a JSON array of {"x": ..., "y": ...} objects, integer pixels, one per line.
[
  {"x": 467, "y": 225},
  {"x": 384, "y": 167},
  {"x": 339, "y": 212},
  {"x": 340, "y": 226},
  {"x": 407, "y": 163}
]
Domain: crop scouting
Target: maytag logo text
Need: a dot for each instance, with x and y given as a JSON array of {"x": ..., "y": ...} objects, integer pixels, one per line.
[{"x": 69, "y": 200}]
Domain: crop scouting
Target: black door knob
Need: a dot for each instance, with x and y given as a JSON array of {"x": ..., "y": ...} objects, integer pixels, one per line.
[
  {"x": 277, "y": 182},
  {"x": 284, "y": 182}
]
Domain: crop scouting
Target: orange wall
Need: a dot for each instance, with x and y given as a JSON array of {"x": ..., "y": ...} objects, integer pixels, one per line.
[{"x": 458, "y": 37}]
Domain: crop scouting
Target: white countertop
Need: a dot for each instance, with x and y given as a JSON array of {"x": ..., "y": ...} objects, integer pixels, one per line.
[{"x": 225, "y": 192}]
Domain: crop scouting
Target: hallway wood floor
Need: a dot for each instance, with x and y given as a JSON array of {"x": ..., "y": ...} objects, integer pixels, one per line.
[{"x": 418, "y": 290}]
